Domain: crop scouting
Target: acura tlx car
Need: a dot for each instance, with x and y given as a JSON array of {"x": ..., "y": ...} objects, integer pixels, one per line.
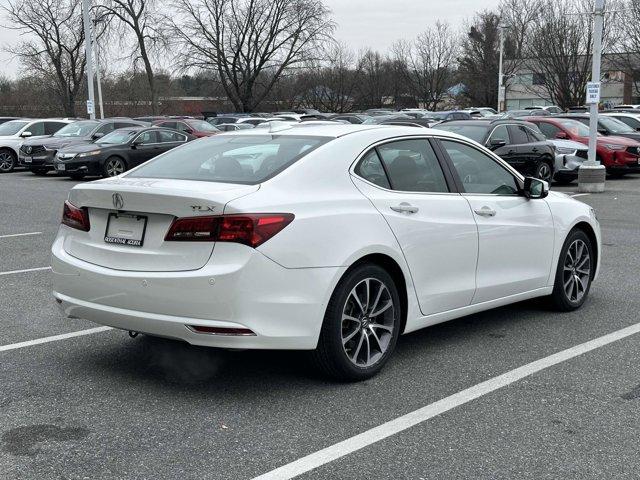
[{"x": 331, "y": 238}]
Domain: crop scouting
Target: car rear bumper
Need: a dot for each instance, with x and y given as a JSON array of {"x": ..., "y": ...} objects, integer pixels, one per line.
[{"x": 238, "y": 288}]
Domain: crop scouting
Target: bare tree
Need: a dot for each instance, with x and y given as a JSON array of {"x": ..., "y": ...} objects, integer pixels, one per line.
[
  {"x": 55, "y": 49},
  {"x": 373, "y": 76},
  {"x": 145, "y": 22},
  {"x": 428, "y": 63},
  {"x": 249, "y": 43},
  {"x": 626, "y": 43}
]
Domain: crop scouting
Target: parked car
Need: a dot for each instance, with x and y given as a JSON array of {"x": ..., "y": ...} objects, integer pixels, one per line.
[
  {"x": 8, "y": 119},
  {"x": 607, "y": 126},
  {"x": 227, "y": 118},
  {"x": 151, "y": 118},
  {"x": 450, "y": 115},
  {"x": 341, "y": 235},
  {"x": 631, "y": 119},
  {"x": 14, "y": 132},
  {"x": 549, "y": 108},
  {"x": 517, "y": 143},
  {"x": 38, "y": 155},
  {"x": 570, "y": 155},
  {"x": 618, "y": 154},
  {"x": 526, "y": 113},
  {"x": 410, "y": 122},
  {"x": 191, "y": 126},
  {"x": 118, "y": 151},
  {"x": 355, "y": 118},
  {"x": 627, "y": 107},
  {"x": 233, "y": 127}
]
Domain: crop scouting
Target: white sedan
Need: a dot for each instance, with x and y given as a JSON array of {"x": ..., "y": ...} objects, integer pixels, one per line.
[{"x": 331, "y": 238}]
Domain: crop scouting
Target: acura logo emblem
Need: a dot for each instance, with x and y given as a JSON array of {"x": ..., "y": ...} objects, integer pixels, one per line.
[
  {"x": 29, "y": 149},
  {"x": 118, "y": 202}
]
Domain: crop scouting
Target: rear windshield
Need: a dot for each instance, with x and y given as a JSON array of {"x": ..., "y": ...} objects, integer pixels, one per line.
[{"x": 246, "y": 159}]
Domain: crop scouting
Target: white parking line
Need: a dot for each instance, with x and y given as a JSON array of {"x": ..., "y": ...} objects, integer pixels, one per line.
[
  {"x": 580, "y": 194},
  {"x": 54, "y": 338},
  {"x": 11, "y": 272},
  {"x": 20, "y": 234},
  {"x": 423, "y": 414}
]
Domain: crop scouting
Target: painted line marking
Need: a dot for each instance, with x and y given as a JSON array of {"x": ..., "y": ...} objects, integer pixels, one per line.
[
  {"x": 580, "y": 194},
  {"x": 369, "y": 437},
  {"x": 54, "y": 338},
  {"x": 20, "y": 234},
  {"x": 26, "y": 270}
]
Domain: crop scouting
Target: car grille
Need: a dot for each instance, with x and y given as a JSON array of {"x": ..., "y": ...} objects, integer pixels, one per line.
[
  {"x": 583, "y": 154},
  {"x": 633, "y": 151},
  {"x": 31, "y": 149}
]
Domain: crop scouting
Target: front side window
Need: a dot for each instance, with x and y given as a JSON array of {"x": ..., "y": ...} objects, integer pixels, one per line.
[
  {"x": 117, "y": 137},
  {"x": 77, "y": 129},
  {"x": 106, "y": 128},
  {"x": 632, "y": 122},
  {"x": 167, "y": 136},
  {"x": 500, "y": 134},
  {"x": 478, "y": 172},
  {"x": 370, "y": 168},
  {"x": 412, "y": 166},
  {"x": 246, "y": 159},
  {"x": 36, "y": 128},
  {"x": 147, "y": 138},
  {"x": 549, "y": 130}
]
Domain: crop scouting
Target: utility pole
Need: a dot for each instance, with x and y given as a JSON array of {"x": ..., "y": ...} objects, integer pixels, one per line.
[
  {"x": 86, "y": 20},
  {"x": 94, "y": 40},
  {"x": 501, "y": 90},
  {"x": 591, "y": 175}
]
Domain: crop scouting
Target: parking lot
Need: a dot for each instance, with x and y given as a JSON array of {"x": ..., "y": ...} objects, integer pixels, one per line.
[{"x": 103, "y": 405}]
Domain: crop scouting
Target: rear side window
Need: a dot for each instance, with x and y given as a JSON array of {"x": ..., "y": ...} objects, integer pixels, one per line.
[
  {"x": 518, "y": 134},
  {"x": 246, "y": 159},
  {"x": 52, "y": 127},
  {"x": 370, "y": 168},
  {"x": 166, "y": 136},
  {"x": 412, "y": 166},
  {"x": 106, "y": 128}
]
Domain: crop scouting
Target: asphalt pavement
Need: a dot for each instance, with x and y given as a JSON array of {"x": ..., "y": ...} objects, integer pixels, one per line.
[{"x": 105, "y": 406}]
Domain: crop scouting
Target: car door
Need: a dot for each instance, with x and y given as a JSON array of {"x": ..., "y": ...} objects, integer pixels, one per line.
[
  {"x": 168, "y": 140},
  {"x": 144, "y": 147},
  {"x": 500, "y": 142},
  {"x": 433, "y": 224},
  {"x": 37, "y": 129},
  {"x": 516, "y": 235},
  {"x": 523, "y": 154}
]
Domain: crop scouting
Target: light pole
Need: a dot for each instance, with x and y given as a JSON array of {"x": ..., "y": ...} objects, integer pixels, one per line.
[
  {"x": 591, "y": 174},
  {"x": 501, "y": 90},
  {"x": 89, "y": 58},
  {"x": 94, "y": 39}
]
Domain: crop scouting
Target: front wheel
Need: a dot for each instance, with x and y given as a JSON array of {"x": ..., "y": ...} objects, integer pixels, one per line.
[
  {"x": 113, "y": 166},
  {"x": 7, "y": 161},
  {"x": 361, "y": 325},
  {"x": 575, "y": 271}
]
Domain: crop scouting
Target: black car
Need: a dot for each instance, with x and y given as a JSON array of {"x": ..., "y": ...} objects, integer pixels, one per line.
[
  {"x": 413, "y": 122},
  {"x": 519, "y": 143},
  {"x": 607, "y": 126},
  {"x": 355, "y": 118},
  {"x": 38, "y": 154},
  {"x": 118, "y": 151}
]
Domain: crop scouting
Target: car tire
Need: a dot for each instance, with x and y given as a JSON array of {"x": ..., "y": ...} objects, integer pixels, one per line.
[
  {"x": 40, "y": 171},
  {"x": 7, "y": 161},
  {"x": 360, "y": 329},
  {"x": 574, "y": 274},
  {"x": 113, "y": 166},
  {"x": 544, "y": 171}
]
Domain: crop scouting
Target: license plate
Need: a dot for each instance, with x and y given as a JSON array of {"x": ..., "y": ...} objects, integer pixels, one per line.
[
  {"x": 27, "y": 159},
  {"x": 60, "y": 167},
  {"x": 125, "y": 229}
]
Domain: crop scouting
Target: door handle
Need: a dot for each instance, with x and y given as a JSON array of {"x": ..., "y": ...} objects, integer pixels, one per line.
[
  {"x": 535, "y": 150},
  {"x": 405, "y": 207},
  {"x": 511, "y": 152},
  {"x": 485, "y": 212}
]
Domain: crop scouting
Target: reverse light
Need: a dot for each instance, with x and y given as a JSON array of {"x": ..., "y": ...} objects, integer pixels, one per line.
[
  {"x": 242, "y": 332},
  {"x": 75, "y": 217},
  {"x": 248, "y": 229}
]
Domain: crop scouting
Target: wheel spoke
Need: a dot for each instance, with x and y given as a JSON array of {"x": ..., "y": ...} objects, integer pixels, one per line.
[
  {"x": 350, "y": 336},
  {"x": 366, "y": 337},
  {"x": 375, "y": 302},
  {"x": 386, "y": 307},
  {"x": 368, "y": 297},
  {"x": 354, "y": 294},
  {"x": 383, "y": 327},
  {"x": 354, "y": 358},
  {"x": 375, "y": 335},
  {"x": 349, "y": 318}
]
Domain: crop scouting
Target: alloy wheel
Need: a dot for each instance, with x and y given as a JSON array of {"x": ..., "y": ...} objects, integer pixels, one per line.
[
  {"x": 544, "y": 172},
  {"x": 368, "y": 319},
  {"x": 577, "y": 270},
  {"x": 114, "y": 167},
  {"x": 6, "y": 161}
]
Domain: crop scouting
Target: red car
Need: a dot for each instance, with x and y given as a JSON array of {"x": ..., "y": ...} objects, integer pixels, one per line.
[
  {"x": 618, "y": 154},
  {"x": 192, "y": 126}
]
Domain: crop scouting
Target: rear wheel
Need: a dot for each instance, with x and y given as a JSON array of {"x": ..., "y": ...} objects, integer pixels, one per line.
[
  {"x": 361, "y": 325},
  {"x": 544, "y": 171},
  {"x": 7, "y": 161},
  {"x": 113, "y": 166},
  {"x": 574, "y": 274}
]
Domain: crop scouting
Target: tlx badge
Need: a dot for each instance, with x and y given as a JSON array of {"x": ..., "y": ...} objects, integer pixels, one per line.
[{"x": 202, "y": 208}]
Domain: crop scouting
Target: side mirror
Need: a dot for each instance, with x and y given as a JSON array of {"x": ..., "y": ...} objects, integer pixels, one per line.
[
  {"x": 188, "y": 130},
  {"x": 602, "y": 131},
  {"x": 97, "y": 135},
  {"x": 496, "y": 143},
  {"x": 136, "y": 144},
  {"x": 535, "y": 188},
  {"x": 25, "y": 134},
  {"x": 562, "y": 136}
]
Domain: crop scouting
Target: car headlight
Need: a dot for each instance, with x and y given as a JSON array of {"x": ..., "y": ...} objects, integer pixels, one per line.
[
  {"x": 566, "y": 150},
  {"x": 613, "y": 146},
  {"x": 88, "y": 154},
  {"x": 65, "y": 156}
]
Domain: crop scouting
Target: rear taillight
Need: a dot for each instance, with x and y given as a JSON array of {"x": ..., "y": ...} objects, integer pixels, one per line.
[
  {"x": 248, "y": 229},
  {"x": 75, "y": 217}
]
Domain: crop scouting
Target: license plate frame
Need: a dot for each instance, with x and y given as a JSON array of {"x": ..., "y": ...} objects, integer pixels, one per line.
[
  {"x": 60, "y": 167},
  {"x": 27, "y": 159},
  {"x": 126, "y": 220}
]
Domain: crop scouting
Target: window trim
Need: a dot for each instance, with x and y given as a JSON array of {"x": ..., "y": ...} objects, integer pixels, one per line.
[
  {"x": 499, "y": 161},
  {"x": 449, "y": 179}
]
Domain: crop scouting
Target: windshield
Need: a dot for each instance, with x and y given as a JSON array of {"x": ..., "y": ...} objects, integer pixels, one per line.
[
  {"x": 202, "y": 126},
  {"x": 474, "y": 132},
  {"x": 575, "y": 127},
  {"x": 615, "y": 126},
  {"x": 117, "y": 137},
  {"x": 247, "y": 159},
  {"x": 12, "y": 127},
  {"x": 77, "y": 129}
]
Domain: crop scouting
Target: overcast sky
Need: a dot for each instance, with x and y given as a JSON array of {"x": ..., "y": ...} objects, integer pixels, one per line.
[{"x": 361, "y": 23}]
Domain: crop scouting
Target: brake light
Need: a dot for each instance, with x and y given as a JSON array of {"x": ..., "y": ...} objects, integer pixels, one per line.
[
  {"x": 75, "y": 217},
  {"x": 249, "y": 229}
]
